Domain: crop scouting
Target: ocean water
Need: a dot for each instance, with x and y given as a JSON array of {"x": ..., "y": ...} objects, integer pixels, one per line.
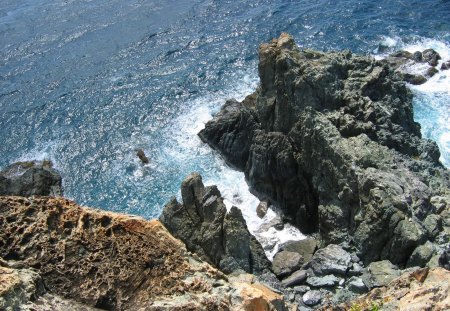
[{"x": 86, "y": 82}]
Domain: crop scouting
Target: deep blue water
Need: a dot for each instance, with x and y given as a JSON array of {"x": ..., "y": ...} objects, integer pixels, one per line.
[{"x": 86, "y": 82}]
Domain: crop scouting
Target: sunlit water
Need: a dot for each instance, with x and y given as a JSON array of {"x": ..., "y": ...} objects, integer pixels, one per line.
[{"x": 84, "y": 83}]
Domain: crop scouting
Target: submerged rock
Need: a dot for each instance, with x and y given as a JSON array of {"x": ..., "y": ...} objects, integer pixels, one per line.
[
  {"x": 30, "y": 178},
  {"x": 331, "y": 140},
  {"x": 221, "y": 238}
]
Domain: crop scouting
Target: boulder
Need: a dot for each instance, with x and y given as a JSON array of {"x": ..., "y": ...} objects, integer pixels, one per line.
[
  {"x": 141, "y": 155},
  {"x": 261, "y": 209},
  {"x": 285, "y": 262},
  {"x": 444, "y": 259},
  {"x": 330, "y": 139},
  {"x": 295, "y": 278},
  {"x": 30, "y": 178},
  {"x": 431, "y": 57},
  {"x": 330, "y": 260},
  {"x": 356, "y": 285},
  {"x": 312, "y": 298},
  {"x": 421, "y": 255},
  {"x": 305, "y": 248},
  {"x": 324, "y": 281},
  {"x": 380, "y": 273},
  {"x": 218, "y": 237}
]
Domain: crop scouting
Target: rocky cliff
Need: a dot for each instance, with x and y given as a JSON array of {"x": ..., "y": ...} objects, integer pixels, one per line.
[
  {"x": 330, "y": 139},
  {"x": 57, "y": 255}
]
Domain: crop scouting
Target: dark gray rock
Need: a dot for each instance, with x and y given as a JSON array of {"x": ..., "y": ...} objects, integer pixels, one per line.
[
  {"x": 276, "y": 223},
  {"x": 203, "y": 224},
  {"x": 30, "y": 178},
  {"x": 445, "y": 65},
  {"x": 421, "y": 255},
  {"x": 431, "y": 57},
  {"x": 380, "y": 273},
  {"x": 261, "y": 209},
  {"x": 356, "y": 285},
  {"x": 330, "y": 260},
  {"x": 324, "y": 281},
  {"x": 432, "y": 225},
  {"x": 296, "y": 278},
  {"x": 306, "y": 248},
  {"x": 356, "y": 269},
  {"x": 312, "y": 298},
  {"x": 444, "y": 259},
  {"x": 301, "y": 289},
  {"x": 330, "y": 139},
  {"x": 285, "y": 262}
]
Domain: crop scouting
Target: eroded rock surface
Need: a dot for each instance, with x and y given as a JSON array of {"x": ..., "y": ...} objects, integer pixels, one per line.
[
  {"x": 330, "y": 139},
  {"x": 217, "y": 236},
  {"x": 55, "y": 252}
]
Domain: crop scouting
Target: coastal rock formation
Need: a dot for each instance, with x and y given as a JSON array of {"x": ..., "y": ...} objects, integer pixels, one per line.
[
  {"x": 30, "y": 178},
  {"x": 217, "y": 236},
  {"x": 56, "y": 253},
  {"x": 330, "y": 139}
]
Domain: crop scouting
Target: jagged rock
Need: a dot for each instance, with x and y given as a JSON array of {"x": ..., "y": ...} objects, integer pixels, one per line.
[
  {"x": 356, "y": 285},
  {"x": 432, "y": 225},
  {"x": 30, "y": 178},
  {"x": 276, "y": 223},
  {"x": 421, "y": 255},
  {"x": 141, "y": 155},
  {"x": 421, "y": 289},
  {"x": 330, "y": 260},
  {"x": 431, "y": 57},
  {"x": 445, "y": 65},
  {"x": 414, "y": 79},
  {"x": 330, "y": 139},
  {"x": 301, "y": 289},
  {"x": 261, "y": 209},
  {"x": 221, "y": 238},
  {"x": 444, "y": 259},
  {"x": 356, "y": 269},
  {"x": 324, "y": 281},
  {"x": 431, "y": 72},
  {"x": 380, "y": 273},
  {"x": 295, "y": 278},
  {"x": 285, "y": 262},
  {"x": 312, "y": 298},
  {"x": 102, "y": 260},
  {"x": 305, "y": 248}
]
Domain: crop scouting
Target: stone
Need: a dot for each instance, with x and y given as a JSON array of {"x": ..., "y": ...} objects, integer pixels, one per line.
[
  {"x": 220, "y": 238},
  {"x": 421, "y": 255},
  {"x": 312, "y": 298},
  {"x": 305, "y": 248},
  {"x": 331, "y": 259},
  {"x": 356, "y": 285},
  {"x": 301, "y": 289},
  {"x": 380, "y": 273},
  {"x": 431, "y": 72},
  {"x": 330, "y": 139},
  {"x": 432, "y": 225},
  {"x": 444, "y": 259},
  {"x": 324, "y": 281},
  {"x": 445, "y": 65},
  {"x": 261, "y": 209},
  {"x": 356, "y": 269},
  {"x": 30, "y": 178},
  {"x": 285, "y": 262},
  {"x": 141, "y": 155},
  {"x": 296, "y": 278},
  {"x": 90, "y": 260},
  {"x": 431, "y": 57}
]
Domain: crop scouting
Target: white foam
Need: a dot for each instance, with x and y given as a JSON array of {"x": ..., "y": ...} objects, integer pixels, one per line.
[{"x": 432, "y": 99}]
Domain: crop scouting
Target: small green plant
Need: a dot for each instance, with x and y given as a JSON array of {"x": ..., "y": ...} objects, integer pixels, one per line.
[
  {"x": 375, "y": 307},
  {"x": 355, "y": 307}
]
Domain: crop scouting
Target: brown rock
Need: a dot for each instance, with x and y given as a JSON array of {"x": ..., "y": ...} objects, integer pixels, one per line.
[
  {"x": 107, "y": 260},
  {"x": 261, "y": 209},
  {"x": 141, "y": 155}
]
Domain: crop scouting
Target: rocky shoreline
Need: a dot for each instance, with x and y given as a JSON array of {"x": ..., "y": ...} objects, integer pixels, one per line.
[{"x": 329, "y": 139}]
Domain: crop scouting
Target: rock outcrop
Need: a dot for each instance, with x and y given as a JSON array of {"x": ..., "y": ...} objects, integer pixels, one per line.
[
  {"x": 57, "y": 255},
  {"x": 330, "y": 139},
  {"x": 30, "y": 178},
  {"x": 217, "y": 236}
]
